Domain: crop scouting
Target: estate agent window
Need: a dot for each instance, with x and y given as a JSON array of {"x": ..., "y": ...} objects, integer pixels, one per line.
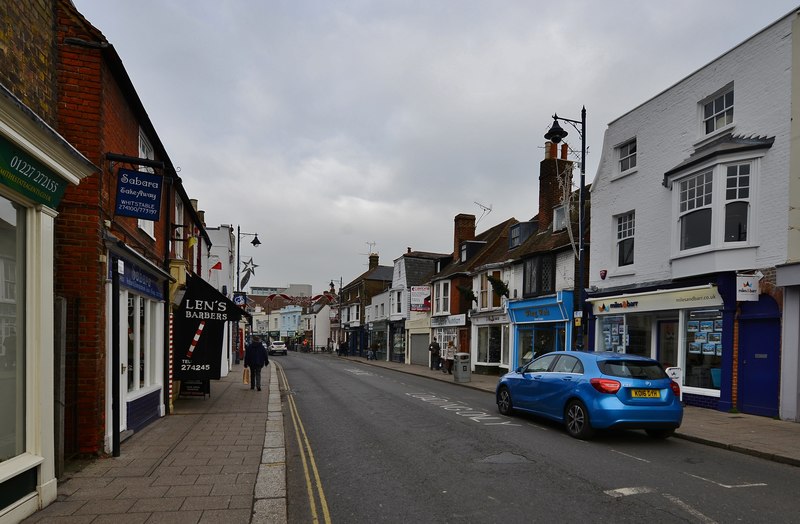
[{"x": 703, "y": 348}]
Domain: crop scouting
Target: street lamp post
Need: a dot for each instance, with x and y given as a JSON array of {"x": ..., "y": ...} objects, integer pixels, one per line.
[
  {"x": 255, "y": 242},
  {"x": 555, "y": 134}
]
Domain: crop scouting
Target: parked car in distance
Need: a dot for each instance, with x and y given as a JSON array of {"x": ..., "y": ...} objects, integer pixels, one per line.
[
  {"x": 587, "y": 391},
  {"x": 277, "y": 347}
]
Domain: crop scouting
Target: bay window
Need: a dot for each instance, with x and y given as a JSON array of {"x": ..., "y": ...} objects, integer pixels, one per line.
[{"x": 714, "y": 206}]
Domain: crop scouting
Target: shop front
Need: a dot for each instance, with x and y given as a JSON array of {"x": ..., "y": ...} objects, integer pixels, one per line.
[
  {"x": 140, "y": 296},
  {"x": 492, "y": 335},
  {"x": 397, "y": 341},
  {"x": 36, "y": 166},
  {"x": 540, "y": 325},
  {"x": 448, "y": 328},
  {"x": 688, "y": 328},
  {"x": 377, "y": 338}
]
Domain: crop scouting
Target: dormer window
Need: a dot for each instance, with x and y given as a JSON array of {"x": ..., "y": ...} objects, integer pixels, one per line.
[
  {"x": 463, "y": 252},
  {"x": 560, "y": 218},
  {"x": 515, "y": 236}
]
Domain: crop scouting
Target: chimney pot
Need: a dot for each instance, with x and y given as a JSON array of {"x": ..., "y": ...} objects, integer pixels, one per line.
[
  {"x": 564, "y": 151},
  {"x": 550, "y": 150}
]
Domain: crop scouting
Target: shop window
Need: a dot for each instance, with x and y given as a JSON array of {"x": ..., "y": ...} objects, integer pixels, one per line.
[
  {"x": 12, "y": 323},
  {"x": 489, "y": 344},
  {"x": 540, "y": 340},
  {"x": 142, "y": 347},
  {"x": 630, "y": 334},
  {"x": 703, "y": 351}
]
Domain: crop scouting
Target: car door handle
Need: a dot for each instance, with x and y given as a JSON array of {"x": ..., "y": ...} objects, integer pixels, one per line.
[
  {"x": 537, "y": 377},
  {"x": 566, "y": 379}
]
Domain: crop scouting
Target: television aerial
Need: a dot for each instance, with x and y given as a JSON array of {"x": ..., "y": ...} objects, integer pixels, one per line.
[{"x": 485, "y": 211}]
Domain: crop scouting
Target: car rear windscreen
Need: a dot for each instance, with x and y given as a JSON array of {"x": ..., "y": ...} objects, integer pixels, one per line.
[{"x": 632, "y": 369}]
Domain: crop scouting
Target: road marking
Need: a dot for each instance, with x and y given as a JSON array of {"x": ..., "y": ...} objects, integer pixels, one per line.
[
  {"x": 358, "y": 371},
  {"x": 688, "y": 509},
  {"x": 630, "y": 456},
  {"x": 308, "y": 461},
  {"x": 462, "y": 410},
  {"x": 626, "y": 492},
  {"x": 729, "y": 486}
]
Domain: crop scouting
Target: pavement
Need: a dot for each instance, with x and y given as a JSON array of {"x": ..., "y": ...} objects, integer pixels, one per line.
[{"x": 222, "y": 459}]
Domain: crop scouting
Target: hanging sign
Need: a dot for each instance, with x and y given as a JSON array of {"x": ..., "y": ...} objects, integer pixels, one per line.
[
  {"x": 138, "y": 194},
  {"x": 199, "y": 328},
  {"x": 747, "y": 288},
  {"x": 22, "y": 173}
]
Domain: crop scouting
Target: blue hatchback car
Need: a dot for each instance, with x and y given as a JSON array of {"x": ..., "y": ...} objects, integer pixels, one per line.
[{"x": 590, "y": 391}]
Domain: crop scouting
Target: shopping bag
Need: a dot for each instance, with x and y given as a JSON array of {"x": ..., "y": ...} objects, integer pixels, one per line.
[{"x": 246, "y": 376}]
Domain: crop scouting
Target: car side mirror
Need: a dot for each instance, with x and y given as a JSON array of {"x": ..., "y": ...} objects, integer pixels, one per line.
[{"x": 519, "y": 369}]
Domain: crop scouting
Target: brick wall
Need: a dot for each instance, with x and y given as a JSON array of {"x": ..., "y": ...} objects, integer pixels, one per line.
[
  {"x": 28, "y": 54},
  {"x": 96, "y": 116}
]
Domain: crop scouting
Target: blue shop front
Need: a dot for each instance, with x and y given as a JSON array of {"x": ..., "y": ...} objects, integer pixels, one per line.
[{"x": 540, "y": 325}]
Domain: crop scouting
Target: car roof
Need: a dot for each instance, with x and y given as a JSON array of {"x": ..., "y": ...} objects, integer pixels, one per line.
[{"x": 603, "y": 355}]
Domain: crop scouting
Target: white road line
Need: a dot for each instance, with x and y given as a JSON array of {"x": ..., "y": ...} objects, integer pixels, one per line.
[
  {"x": 625, "y": 492},
  {"x": 727, "y": 486},
  {"x": 688, "y": 509},
  {"x": 630, "y": 456}
]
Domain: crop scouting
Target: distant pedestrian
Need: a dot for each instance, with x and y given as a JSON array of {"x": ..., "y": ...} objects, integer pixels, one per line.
[
  {"x": 255, "y": 358},
  {"x": 434, "y": 350},
  {"x": 450, "y": 355}
]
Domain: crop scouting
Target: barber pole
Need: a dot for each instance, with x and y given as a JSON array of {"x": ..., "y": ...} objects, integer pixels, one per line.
[{"x": 196, "y": 338}]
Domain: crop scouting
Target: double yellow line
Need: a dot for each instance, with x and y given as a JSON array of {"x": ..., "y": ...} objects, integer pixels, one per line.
[{"x": 307, "y": 456}]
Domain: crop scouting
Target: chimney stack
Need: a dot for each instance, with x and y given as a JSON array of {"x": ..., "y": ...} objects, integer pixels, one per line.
[
  {"x": 464, "y": 230},
  {"x": 549, "y": 188},
  {"x": 373, "y": 260}
]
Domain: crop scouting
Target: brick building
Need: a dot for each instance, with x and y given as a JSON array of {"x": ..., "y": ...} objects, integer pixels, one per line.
[{"x": 36, "y": 167}]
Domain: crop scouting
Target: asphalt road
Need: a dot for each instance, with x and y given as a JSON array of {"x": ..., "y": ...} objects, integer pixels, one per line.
[{"x": 366, "y": 444}]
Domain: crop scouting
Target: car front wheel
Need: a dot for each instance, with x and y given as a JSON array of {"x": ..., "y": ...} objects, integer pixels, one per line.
[
  {"x": 576, "y": 419},
  {"x": 504, "y": 404}
]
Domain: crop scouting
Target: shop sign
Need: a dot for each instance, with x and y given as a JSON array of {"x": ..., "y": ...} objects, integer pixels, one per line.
[
  {"x": 747, "y": 288},
  {"x": 23, "y": 174},
  {"x": 657, "y": 301},
  {"x": 489, "y": 320},
  {"x": 420, "y": 298},
  {"x": 449, "y": 321},
  {"x": 133, "y": 277},
  {"x": 138, "y": 194}
]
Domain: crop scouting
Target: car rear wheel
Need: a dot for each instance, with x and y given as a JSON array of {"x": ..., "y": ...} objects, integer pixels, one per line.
[
  {"x": 504, "y": 404},
  {"x": 576, "y": 419},
  {"x": 660, "y": 433}
]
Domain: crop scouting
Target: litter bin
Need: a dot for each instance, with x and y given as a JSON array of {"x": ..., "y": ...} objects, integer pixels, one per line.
[{"x": 461, "y": 368}]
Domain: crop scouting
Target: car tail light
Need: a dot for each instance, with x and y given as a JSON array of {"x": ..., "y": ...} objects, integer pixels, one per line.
[
  {"x": 676, "y": 389},
  {"x": 604, "y": 385}
]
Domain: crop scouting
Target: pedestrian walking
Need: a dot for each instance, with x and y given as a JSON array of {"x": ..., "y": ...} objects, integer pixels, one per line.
[
  {"x": 450, "y": 355},
  {"x": 255, "y": 358},
  {"x": 434, "y": 350}
]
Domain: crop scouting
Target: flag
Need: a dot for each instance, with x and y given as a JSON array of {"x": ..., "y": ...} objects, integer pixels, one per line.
[{"x": 218, "y": 265}]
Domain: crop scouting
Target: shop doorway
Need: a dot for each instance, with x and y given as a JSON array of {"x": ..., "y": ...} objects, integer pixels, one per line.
[
  {"x": 667, "y": 345},
  {"x": 759, "y": 357}
]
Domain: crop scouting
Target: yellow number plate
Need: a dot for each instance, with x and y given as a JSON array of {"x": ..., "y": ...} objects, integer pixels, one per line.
[{"x": 645, "y": 393}]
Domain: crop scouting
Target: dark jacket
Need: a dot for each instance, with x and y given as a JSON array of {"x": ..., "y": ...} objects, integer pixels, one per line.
[{"x": 256, "y": 355}]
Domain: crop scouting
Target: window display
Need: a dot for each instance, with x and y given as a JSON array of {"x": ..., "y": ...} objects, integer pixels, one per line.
[{"x": 703, "y": 348}]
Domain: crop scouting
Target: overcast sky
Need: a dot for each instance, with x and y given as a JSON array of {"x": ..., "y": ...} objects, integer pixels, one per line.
[{"x": 336, "y": 127}]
